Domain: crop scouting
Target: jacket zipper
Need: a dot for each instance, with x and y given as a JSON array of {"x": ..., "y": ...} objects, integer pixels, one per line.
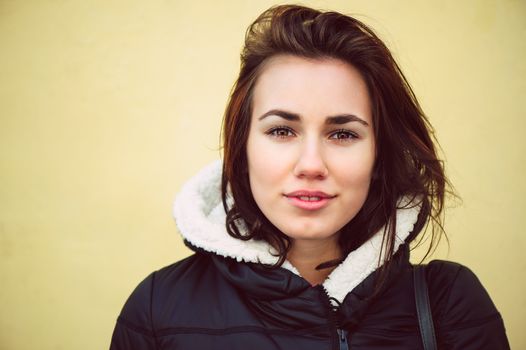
[{"x": 341, "y": 334}]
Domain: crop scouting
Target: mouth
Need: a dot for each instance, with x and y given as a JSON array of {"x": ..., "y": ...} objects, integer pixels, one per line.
[{"x": 309, "y": 200}]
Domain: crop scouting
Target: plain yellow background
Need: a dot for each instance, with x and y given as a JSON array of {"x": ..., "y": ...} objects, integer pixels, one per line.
[{"x": 107, "y": 107}]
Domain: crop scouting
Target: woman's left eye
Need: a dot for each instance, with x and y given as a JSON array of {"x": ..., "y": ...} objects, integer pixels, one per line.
[{"x": 343, "y": 135}]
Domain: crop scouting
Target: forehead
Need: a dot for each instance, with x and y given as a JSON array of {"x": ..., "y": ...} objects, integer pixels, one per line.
[{"x": 324, "y": 86}]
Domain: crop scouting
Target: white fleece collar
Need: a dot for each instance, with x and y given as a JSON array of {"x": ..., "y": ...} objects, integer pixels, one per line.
[{"x": 200, "y": 218}]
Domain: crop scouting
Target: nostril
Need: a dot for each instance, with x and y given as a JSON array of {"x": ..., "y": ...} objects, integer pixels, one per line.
[
  {"x": 321, "y": 173},
  {"x": 310, "y": 162}
]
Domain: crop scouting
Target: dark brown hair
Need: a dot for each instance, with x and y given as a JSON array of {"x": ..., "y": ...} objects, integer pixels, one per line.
[{"x": 406, "y": 163}]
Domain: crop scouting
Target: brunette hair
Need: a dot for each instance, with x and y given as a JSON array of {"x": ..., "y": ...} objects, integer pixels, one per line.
[{"x": 406, "y": 162}]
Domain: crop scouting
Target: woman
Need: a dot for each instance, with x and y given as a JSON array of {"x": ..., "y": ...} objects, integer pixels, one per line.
[{"x": 301, "y": 235}]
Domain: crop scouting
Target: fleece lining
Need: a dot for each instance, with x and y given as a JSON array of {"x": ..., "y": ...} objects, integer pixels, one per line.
[{"x": 200, "y": 218}]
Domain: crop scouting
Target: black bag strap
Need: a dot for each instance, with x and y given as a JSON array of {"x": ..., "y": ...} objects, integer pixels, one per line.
[{"x": 423, "y": 309}]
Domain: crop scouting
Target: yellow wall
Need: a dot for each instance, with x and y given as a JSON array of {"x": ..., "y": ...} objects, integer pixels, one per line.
[{"x": 106, "y": 107}]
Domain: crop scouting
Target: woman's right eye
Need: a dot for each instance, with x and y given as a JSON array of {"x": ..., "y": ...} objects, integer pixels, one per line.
[{"x": 281, "y": 132}]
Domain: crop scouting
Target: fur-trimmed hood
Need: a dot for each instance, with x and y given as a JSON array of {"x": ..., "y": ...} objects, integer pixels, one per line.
[{"x": 200, "y": 218}]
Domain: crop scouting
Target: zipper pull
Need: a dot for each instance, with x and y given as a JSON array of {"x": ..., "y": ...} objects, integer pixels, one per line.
[{"x": 342, "y": 335}]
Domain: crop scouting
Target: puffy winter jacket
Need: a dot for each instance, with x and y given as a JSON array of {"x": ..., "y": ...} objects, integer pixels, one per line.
[{"x": 222, "y": 297}]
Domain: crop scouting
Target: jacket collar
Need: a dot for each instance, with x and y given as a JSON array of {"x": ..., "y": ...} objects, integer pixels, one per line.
[{"x": 200, "y": 218}]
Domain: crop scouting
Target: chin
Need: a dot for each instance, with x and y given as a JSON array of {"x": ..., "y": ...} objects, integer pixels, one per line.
[{"x": 309, "y": 232}]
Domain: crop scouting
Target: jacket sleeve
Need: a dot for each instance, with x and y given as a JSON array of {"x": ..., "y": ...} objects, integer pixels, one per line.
[
  {"x": 465, "y": 317},
  {"x": 134, "y": 329}
]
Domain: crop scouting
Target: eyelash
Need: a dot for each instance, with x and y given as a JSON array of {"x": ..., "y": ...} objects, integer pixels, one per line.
[
  {"x": 273, "y": 131},
  {"x": 350, "y": 135}
]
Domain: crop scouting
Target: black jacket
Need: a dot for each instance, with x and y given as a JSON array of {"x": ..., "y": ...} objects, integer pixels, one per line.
[
  {"x": 221, "y": 298},
  {"x": 211, "y": 302}
]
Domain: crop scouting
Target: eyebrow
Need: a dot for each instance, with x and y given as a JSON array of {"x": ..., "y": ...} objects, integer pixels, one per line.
[{"x": 330, "y": 120}]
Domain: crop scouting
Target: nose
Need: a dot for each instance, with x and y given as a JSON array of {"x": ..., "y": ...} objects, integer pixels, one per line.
[{"x": 310, "y": 163}]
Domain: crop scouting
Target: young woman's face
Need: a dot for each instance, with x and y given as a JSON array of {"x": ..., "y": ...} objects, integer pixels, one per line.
[{"x": 311, "y": 146}]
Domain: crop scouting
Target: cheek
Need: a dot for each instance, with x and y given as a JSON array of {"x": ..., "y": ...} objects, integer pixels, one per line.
[
  {"x": 256, "y": 175},
  {"x": 268, "y": 162},
  {"x": 354, "y": 178},
  {"x": 265, "y": 175},
  {"x": 356, "y": 166},
  {"x": 256, "y": 158},
  {"x": 260, "y": 167}
]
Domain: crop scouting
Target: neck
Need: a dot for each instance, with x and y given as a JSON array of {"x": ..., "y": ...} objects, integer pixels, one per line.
[{"x": 306, "y": 255}]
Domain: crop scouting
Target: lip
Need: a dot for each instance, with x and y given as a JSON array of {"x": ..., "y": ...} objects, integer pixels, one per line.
[{"x": 321, "y": 200}]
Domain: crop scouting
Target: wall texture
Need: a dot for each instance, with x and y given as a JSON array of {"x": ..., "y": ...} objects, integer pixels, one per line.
[{"x": 106, "y": 107}]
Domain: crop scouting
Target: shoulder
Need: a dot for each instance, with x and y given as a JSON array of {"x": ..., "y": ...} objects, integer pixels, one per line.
[
  {"x": 139, "y": 309},
  {"x": 461, "y": 305},
  {"x": 457, "y": 291},
  {"x": 138, "y": 321}
]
